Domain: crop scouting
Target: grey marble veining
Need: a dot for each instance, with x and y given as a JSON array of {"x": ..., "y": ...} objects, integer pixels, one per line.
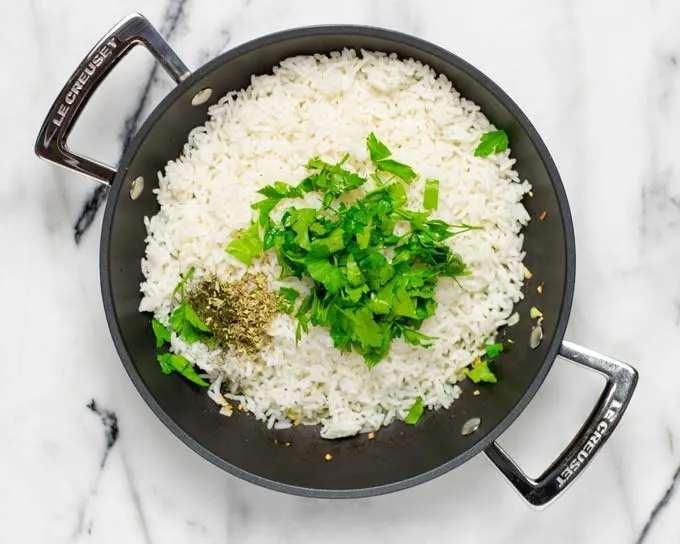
[{"x": 82, "y": 459}]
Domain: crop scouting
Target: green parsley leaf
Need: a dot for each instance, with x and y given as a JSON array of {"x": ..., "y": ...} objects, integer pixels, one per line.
[
  {"x": 180, "y": 286},
  {"x": 403, "y": 304},
  {"x": 331, "y": 244},
  {"x": 300, "y": 221},
  {"x": 353, "y": 294},
  {"x": 354, "y": 275},
  {"x": 417, "y": 339},
  {"x": 368, "y": 332},
  {"x": 163, "y": 360},
  {"x": 184, "y": 322},
  {"x": 402, "y": 171},
  {"x": 397, "y": 193},
  {"x": 194, "y": 320},
  {"x": 279, "y": 190},
  {"x": 376, "y": 148},
  {"x": 376, "y": 269},
  {"x": 332, "y": 179},
  {"x": 415, "y": 412},
  {"x": 431, "y": 195},
  {"x": 364, "y": 237},
  {"x": 270, "y": 235},
  {"x": 381, "y": 302},
  {"x": 288, "y": 296},
  {"x": 171, "y": 362},
  {"x": 248, "y": 246},
  {"x": 161, "y": 332},
  {"x": 481, "y": 373},
  {"x": 494, "y": 350},
  {"x": 265, "y": 207},
  {"x": 495, "y": 141},
  {"x": 178, "y": 319},
  {"x": 323, "y": 271}
]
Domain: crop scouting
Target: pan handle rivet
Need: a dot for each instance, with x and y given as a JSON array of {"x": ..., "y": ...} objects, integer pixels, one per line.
[
  {"x": 470, "y": 426},
  {"x": 136, "y": 187},
  {"x": 201, "y": 97}
]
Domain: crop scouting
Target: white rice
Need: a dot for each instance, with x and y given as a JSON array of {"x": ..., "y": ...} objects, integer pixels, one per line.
[{"x": 327, "y": 105}]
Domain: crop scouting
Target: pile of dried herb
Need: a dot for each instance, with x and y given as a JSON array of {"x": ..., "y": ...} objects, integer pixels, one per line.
[{"x": 238, "y": 313}]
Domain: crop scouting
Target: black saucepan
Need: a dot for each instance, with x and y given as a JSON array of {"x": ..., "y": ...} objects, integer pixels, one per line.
[{"x": 400, "y": 456}]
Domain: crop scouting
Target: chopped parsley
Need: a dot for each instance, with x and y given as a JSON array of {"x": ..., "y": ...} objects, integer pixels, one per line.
[
  {"x": 374, "y": 263},
  {"x": 184, "y": 320},
  {"x": 171, "y": 362},
  {"x": 415, "y": 412},
  {"x": 287, "y": 298},
  {"x": 494, "y": 350},
  {"x": 188, "y": 326},
  {"x": 161, "y": 332},
  {"x": 247, "y": 247},
  {"x": 481, "y": 373},
  {"x": 495, "y": 141}
]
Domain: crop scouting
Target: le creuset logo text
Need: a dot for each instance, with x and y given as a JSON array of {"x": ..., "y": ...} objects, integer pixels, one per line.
[
  {"x": 96, "y": 61},
  {"x": 603, "y": 427}
]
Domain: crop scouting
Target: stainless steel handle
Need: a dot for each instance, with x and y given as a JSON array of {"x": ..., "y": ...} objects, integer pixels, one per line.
[
  {"x": 133, "y": 30},
  {"x": 621, "y": 382}
]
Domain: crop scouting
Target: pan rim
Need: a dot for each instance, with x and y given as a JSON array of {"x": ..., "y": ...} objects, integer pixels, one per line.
[{"x": 325, "y": 30}]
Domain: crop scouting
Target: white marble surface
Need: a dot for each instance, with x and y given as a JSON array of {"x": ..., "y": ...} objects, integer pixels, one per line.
[{"x": 601, "y": 82}]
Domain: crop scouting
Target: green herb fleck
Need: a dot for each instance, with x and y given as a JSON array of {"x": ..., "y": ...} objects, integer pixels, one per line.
[
  {"x": 171, "y": 362},
  {"x": 415, "y": 412},
  {"x": 248, "y": 246},
  {"x": 376, "y": 148},
  {"x": 287, "y": 299},
  {"x": 179, "y": 288},
  {"x": 494, "y": 350},
  {"x": 161, "y": 333},
  {"x": 379, "y": 153},
  {"x": 402, "y": 171},
  {"x": 431, "y": 195},
  {"x": 481, "y": 373},
  {"x": 495, "y": 141}
]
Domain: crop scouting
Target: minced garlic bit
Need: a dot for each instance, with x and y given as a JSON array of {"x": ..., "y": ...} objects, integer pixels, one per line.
[
  {"x": 543, "y": 215},
  {"x": 531, "y": 194},
  {"x": 527, "y": 273},
  {"x": 371, "y": 435},
  {"x": 328, "y": 457},
  {"x": 476, "y": 392},
  {"x": 238, "y": 312},
  {"x": 511, "y": 341},
  {"x": 240, "y": 407},
  {"x": 287, "y": 444},
  {"x": 540, "y": 289},
  {"x": 535, "y": 313}
]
